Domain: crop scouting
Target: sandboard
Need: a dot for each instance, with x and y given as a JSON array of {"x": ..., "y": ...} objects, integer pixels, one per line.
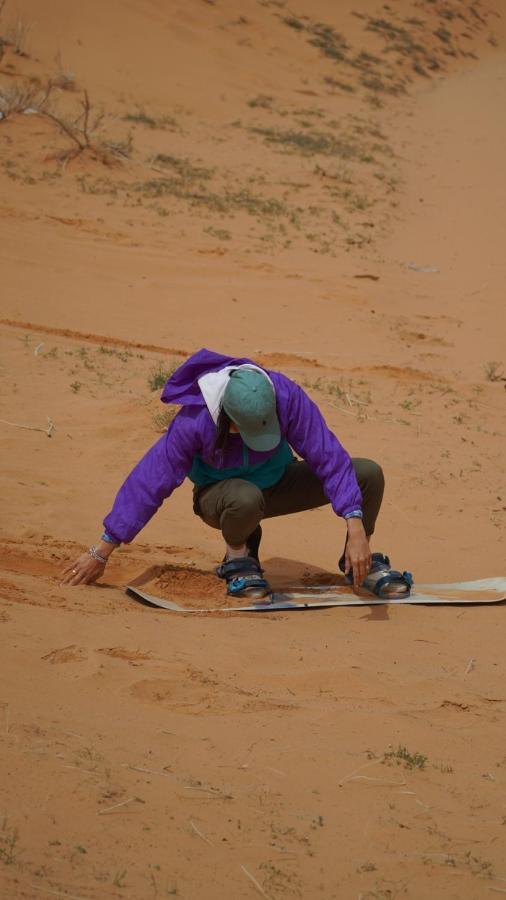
[{"x": 484, "y": 592}]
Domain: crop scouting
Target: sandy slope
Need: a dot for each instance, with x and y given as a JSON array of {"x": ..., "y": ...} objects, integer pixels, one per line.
[{"x": 147, "y": 755}]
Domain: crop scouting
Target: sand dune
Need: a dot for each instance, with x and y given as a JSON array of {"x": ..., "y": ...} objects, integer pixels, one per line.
[{"x": 320, "y": 188}]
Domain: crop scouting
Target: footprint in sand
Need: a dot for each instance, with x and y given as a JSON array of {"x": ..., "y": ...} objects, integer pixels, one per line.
[
  {"x": 193, "y": 692},
  {"x": 72, "y": 653},
  {"x": 131, "y": 656},
  {"x": 178, "y": 692}
]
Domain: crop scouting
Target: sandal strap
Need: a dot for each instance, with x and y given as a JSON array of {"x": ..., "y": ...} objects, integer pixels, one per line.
[
  {"x": 242, "y": 565},
  {"x": 245, "y": 582},
  {"x": 392, "y": 577},
  {"x": 381, "y": 563},
  {"x": 379, "y": 559}
]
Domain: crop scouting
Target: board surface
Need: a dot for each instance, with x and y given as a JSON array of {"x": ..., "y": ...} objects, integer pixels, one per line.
[{"x": 484, "y": 592}]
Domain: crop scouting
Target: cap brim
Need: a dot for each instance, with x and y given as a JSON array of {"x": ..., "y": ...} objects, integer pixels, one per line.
[{"x": 267, "y": 440}]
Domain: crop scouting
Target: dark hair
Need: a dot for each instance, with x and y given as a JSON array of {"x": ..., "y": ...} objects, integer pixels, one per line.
[
  {"x": 222, "y": 430},
  {"x": 222, "y": 427}
]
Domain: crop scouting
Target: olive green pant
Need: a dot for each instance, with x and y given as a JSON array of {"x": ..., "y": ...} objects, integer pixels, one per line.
[{"x": 236, "y": 506}]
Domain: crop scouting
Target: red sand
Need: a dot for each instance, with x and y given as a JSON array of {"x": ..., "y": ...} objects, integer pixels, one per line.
[{"x": 269, "y": 212}]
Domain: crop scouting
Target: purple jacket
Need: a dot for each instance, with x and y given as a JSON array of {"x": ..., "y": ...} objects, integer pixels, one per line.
[{"x": 192, "y": 431}]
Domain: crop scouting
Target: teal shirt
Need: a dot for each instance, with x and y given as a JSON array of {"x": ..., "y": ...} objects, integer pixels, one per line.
[{"x": 263, "y": 474}]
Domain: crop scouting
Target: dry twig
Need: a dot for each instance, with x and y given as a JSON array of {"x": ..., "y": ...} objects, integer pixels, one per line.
[
  {"x": 81, "y": 132},
  {"x": 197, "y": 831},
  {"x": 376, "y": 780},
  {"x": 470, "y": 666},
  {"x": 17, "y": 35},
  {"x": 7, "y": 717},
  {"x": 48, "y": 430},
  {"x": 109, "y": 809},
  {"x": 148, "y": 771},
  {"x": 78, "y": 134},
  {"x": 360, "y": 769},
  {"x": 44, "y": 890},
  {"x": 255, "y": 882},
  {"x": 212, "y": 792},
  {"x": 20, "y": 98}
]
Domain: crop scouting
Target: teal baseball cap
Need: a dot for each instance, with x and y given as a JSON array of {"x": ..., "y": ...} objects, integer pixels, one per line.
[{"x": 250, "y": 401}]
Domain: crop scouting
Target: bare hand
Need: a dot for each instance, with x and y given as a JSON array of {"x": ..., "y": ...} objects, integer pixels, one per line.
[
  {"x": 357, "y": 555},
  {"x": 85, "y": 570}
]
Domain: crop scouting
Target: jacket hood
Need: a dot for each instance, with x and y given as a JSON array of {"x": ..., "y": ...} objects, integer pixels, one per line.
[{"x": 183, "y": 387}]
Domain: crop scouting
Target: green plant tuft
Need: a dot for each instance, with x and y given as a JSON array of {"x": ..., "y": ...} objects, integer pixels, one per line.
[
  {"x": 410, "y": 760},
  {"x": 158, "y": 377}
]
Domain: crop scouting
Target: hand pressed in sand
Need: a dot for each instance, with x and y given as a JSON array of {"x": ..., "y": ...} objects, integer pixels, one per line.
[{"x": 86, "y": 569}]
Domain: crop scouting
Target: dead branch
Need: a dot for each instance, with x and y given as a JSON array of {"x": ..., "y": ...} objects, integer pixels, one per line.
[
  {"x": 49, "y": 430},
  {"x": 86, "y": 108},
  {"x": 67, "y": 129}
]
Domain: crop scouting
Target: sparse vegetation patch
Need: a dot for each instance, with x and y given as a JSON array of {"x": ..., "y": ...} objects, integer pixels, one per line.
[
  {"x": 402, "y": 756},
  {"x": 328, "y": 212},
  {"x": 9, "y": 837},
  {"x": 226, "y": 202},
  {"x": 158, "y": 377},
  {"x": 309, "y": 143},
  {"x": 183, "y": 167},
  {"x": 261, "y": 101},
  {"x": 141, "y": 117},
  {"x": 222, "y": 234},
  {"x": 410, "y": 45},
  {"x": 494, "y": 371}
]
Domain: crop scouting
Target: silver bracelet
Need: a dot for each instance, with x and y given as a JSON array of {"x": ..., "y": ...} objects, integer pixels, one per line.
[{"x": 96, "y": 555}]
